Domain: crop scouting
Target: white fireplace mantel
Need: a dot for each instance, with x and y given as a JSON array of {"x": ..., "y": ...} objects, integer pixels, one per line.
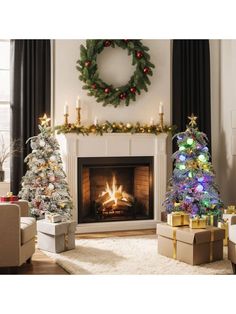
[{"x": 73, "y": 146}]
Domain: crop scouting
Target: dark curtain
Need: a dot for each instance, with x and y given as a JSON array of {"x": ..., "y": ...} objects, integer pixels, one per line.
[
  {"x": 191, "y": 91},
  {"x": 30, "y": 97}
]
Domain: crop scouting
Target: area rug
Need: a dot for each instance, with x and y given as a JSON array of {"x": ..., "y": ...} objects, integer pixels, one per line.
[{"x": 134, "y": 255}]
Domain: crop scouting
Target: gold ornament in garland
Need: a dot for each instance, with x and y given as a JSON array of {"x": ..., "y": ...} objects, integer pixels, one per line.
[
  {"x": 105, "y": 92},
  {"x": 114, "y": 127}
]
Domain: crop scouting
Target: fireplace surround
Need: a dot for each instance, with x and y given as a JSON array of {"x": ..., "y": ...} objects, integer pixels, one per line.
[{"x": 78, "y": 148}]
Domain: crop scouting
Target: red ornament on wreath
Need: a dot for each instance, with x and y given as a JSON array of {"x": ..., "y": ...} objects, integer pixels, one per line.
[
  {"x": 94, "y": 86},
  {"x": 146, "y": 70},
  {"x": 87, "y": 63},
  {"x": 122, "y": 96},
  {"x": 133, "y": 90},
  {"x": 107, "y": 90},
  {"x": 139, "y": 54},
  {"x": 107, "y": 43}
]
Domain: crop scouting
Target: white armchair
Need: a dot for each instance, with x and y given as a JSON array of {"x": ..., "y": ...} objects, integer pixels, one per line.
[
  {"x": 17, "y": 234},
  {"x": 232, "y": 242}
]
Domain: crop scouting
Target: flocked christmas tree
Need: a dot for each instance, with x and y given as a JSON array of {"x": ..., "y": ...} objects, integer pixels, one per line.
[
  {"x": 192, "y": 188},
  {"x": 44, "y": 185}
]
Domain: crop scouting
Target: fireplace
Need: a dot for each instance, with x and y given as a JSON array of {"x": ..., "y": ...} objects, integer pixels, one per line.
[{"x": 115, "y": 189}]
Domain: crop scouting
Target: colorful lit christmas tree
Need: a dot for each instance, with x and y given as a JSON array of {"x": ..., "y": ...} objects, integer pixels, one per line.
[
  {"x": 44, "y": 185},
  {"x": 192, "y": 188}
]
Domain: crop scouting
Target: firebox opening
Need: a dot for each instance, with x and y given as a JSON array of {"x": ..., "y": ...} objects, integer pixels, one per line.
[{"x": 115, "y": 189}]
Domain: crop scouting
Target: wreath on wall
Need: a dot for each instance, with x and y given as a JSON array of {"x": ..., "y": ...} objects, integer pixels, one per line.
[{"x": 105, "y": 92}]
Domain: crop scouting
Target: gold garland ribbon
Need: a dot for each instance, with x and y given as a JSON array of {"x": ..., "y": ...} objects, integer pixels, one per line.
[{"x": 114, "y": 127}]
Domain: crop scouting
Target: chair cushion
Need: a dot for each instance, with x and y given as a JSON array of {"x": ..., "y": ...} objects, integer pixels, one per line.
[
  {"x": 232, "y": 233},
  {"x": 27, "y": 228}
]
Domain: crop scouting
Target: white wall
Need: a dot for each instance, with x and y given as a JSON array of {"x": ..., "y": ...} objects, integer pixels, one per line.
[
  {"x": 227, "y": 138},
  {"x": 67, "y": 85}
]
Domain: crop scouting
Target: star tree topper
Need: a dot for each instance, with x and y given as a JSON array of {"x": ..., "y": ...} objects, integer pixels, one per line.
[
  {"x": 192, "y": 119},
  {"x": 44, "y": 121}
]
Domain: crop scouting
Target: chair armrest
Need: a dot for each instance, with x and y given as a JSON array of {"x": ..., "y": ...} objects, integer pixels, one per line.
[
  {"x": 24, "y": 208},
  {"x": 9, "y": 235}
]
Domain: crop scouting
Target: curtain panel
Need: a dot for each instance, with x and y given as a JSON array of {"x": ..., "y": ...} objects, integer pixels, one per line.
[
  {"x": 191, "y": 92},
  {"x": 30, "y": 97}
]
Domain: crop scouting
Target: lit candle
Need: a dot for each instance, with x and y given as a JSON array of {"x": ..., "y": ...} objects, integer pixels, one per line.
[
  {"x": 95, "y": 121},
  {"x": 78, "y": 102},
  {"x": 161, "y": 107},
  {"x": 66, "y": 108},
  {"x": 151, "y": 121}
]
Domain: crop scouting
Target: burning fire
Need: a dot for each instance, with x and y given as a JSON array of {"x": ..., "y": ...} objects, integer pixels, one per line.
[{"x": 114, "y": 198}]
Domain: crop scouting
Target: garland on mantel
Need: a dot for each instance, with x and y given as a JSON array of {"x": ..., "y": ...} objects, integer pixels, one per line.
[{"x": 114, "y": 127}]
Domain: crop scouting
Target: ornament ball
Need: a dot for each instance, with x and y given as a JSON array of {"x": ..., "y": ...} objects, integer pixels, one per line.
[
  {"x": 107, "y": 43},
  {"x": 139, "y": 54},
  {"x": 133, "y": 90},
  {"x": 87, "y": 63},
  {"x": 146, "y": 70}
]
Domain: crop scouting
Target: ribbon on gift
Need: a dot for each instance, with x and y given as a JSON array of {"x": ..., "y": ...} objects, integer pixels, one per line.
[
  {"x": 174, "y": 244},
  {"x": 66, "y": 237},
  {"x": 66, "y": 240},
  {"x": 224, "y": 225},
  {"x": 211, "y": 244}
]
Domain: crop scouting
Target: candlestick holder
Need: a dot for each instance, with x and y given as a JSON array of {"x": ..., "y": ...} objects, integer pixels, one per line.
[
  {"x": 66, "y": 115},
  {"x": 78, "y": 120},
  {"x": 161, "y": 124}
]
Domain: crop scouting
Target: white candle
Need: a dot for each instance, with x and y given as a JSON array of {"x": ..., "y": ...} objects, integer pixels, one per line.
[
  {"x": 151, "y": 121},
  {"x": 161, "y": 107},
  {"x": 66, "y": 108},
  {"x": 95, "y": 121},
  {"x": 78, "y": 102}
]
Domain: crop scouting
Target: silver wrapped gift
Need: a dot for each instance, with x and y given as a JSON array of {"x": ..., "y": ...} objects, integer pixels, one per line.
[{"x": 56, "y": 237}]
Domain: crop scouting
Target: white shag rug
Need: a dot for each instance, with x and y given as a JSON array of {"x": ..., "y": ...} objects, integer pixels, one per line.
[{"x": 134, "y": 255}]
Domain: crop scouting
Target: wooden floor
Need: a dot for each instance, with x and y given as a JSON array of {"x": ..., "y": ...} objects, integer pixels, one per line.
[{"x": 43, "y": 265}]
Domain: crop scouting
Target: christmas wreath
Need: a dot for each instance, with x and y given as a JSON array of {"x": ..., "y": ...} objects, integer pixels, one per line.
[{"x": 105, "y": 92}]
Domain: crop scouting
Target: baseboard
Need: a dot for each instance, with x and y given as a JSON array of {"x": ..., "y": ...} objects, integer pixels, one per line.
[{"x": 116, "y": 226}]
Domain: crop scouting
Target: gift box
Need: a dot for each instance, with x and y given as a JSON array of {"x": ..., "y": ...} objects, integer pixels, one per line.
[
  {"x": 211, "y": 220},
  {"x": 224, "y": 225},
  {"x": 197, "y": 223},
  {"x": 198, "y": 246},
  {"x": 53, "y": 217},
  {"x": 192, "y": 246},
  {"x": 164, "y": 216},
  {"x": 9, "y": 198},
  {"x": 230, "y": 210},
  {"x": 56, "y": 237},
  {"x": 176, "y": 219}
]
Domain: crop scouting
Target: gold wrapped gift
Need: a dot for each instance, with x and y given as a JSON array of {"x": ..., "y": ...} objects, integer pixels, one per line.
[
  {"x": 224, "y": 225},
  {"x": 211, "y": 220},
  {"x": 197, "y": 223},
  {"x": 176, "y": 219},
  {"x": 230, "y": 210}
]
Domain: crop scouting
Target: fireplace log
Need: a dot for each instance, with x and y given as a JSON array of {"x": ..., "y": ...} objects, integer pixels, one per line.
[
  {"x": 109, "y": 203},
  {"x": 128, "y": 197},
  {"x": 123, "y": 203},
  {"x": 103, "y": 198}
]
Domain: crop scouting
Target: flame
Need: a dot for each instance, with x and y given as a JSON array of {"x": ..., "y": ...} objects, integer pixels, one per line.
[{"x": 114, "y": 191}]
